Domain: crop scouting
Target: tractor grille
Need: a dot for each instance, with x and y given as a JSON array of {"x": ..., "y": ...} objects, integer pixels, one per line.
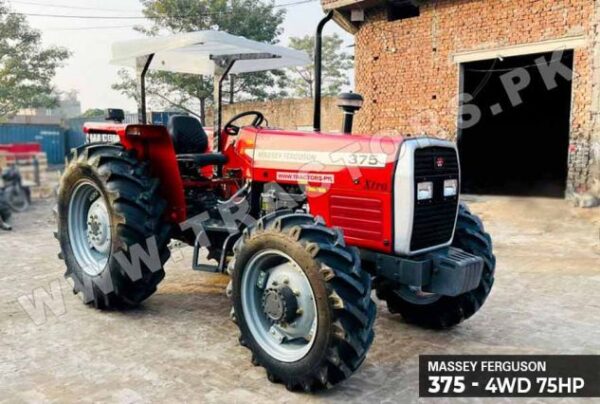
[
  {"x": 434, "y": 219},
  {"x": 360, "y": 218}
]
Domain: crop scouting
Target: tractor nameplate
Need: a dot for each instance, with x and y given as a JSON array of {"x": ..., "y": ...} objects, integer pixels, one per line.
[{"x": 375, "y": 160}]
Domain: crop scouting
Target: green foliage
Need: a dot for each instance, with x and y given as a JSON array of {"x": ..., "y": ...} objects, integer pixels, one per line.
[
  {"x": 26, "y": 69},
  {"x": 336, "y": 64},
  {"x": 93, "y": 113},
  {"x": 252, "y": 19}
]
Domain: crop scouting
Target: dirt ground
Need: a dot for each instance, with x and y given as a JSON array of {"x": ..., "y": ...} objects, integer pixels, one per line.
[{"x": 181, "y": 346}]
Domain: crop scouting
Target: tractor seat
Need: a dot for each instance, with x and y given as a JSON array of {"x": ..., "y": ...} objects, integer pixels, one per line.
[{"x": 191, "y": 142}]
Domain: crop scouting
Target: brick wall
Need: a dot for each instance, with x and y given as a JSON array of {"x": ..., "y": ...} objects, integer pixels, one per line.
[
  {"x": 293, "y": 113},
  {"x": 593, "y": 171},
  {"x": 410, "y": 82}
]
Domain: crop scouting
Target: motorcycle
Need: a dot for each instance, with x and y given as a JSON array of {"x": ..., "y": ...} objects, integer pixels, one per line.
[{"x": 17, "y": 196}]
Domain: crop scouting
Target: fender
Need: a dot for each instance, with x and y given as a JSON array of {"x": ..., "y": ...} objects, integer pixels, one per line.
[{"x": 152, "y": 144}]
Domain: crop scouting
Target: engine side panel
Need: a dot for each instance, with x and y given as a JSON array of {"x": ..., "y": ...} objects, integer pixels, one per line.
[{"x": 348, "y": 179}]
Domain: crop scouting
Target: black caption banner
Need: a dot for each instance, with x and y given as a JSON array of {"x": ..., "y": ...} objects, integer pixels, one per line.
[{"x": 509, "y": 376}]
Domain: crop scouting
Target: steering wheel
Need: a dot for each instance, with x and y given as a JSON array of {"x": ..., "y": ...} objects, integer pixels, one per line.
[{"x": 233, "y": 130}]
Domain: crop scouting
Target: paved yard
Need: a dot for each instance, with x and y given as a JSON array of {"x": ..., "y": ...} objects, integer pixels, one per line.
[{"x": 181, "y": 346}]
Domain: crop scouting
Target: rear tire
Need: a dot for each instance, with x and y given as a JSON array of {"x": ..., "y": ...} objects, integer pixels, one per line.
[
  {"x": 344, "y": 315},
  {"x": 446, "y": 311},
  {"x": 107, "y": 191}
]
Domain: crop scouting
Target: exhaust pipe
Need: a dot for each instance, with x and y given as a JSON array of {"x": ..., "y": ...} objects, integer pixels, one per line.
[{"x": 318, "y": 67}]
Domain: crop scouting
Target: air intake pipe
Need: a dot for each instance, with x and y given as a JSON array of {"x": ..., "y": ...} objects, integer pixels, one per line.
[{"x": 349, "y": 103}]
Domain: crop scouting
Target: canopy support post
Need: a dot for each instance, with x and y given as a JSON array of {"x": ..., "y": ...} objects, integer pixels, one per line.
[
  {"x": 222, "y": 69},
  {"x": 142, "y": 66}
]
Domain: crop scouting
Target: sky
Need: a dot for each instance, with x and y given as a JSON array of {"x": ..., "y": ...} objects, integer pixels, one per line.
[{"x": 88, "y": 70}]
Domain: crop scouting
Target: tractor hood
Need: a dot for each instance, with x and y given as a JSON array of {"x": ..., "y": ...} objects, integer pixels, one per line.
[
  {"x": 324, "y": 152},
  {"x": 345, "y": 177}
]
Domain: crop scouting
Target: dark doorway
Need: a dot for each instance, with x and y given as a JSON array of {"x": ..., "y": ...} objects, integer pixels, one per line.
[{"x": 522, "y": 149}]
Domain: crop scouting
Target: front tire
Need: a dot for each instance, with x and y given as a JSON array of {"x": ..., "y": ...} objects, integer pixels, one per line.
[
  {"x": 301, "y": 301},
  {"x": 111, "y": 230},
  {"x": 439, "y": 312}
]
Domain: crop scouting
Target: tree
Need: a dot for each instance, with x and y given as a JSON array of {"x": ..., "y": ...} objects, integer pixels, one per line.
[
  {"x": 93, "y": 113},
  {"x": 26, "y": 69},
  {"x": 252, "y": 19},
  {"x": 336, "y": 64}
]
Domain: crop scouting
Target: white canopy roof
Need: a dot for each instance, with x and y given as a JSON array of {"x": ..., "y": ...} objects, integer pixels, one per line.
[{"x": 194, "y": 53}]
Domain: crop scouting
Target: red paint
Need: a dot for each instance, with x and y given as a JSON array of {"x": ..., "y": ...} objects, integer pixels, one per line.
[
  {"x": 154, "y": 145},
  {"x": 354, "y": 201},
  {"x": 367, "y": 220},
  {"x": 21, "y": 148},
  {"x": 360, "y": 218}
]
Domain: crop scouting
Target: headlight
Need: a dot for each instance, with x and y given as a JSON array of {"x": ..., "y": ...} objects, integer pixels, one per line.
[
  {"x": 450, "y": 188},
  {"x": 424, "y": 190}
]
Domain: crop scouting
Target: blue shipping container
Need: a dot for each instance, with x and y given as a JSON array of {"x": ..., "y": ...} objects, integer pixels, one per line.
[
  {"x": 50, "y": 137},
  {"x": 162, "y": 118},
  {"x": 75, "y": 136}
]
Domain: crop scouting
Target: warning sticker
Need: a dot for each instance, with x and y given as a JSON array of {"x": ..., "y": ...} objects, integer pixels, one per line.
[{"x": 304, "y": 178}]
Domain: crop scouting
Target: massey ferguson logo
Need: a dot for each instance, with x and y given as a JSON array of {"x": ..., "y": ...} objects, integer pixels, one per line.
[{"x": 440, "y": 162}]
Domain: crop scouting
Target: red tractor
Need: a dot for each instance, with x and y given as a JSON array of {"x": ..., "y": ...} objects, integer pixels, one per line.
[{"x": 305, "y": 223}]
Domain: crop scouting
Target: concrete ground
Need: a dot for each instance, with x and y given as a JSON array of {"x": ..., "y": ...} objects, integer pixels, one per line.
[{"x": 181, "y": 346}]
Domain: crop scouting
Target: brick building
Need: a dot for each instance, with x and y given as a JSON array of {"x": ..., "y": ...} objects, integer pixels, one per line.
[{"x": 537, "y": 131}]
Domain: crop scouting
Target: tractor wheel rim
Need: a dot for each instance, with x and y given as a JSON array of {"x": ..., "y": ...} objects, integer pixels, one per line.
[
  {"x": 89, "y": 228},
  {"x": 416, "y": 295},
  {"x": 279, "y": 305}
]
